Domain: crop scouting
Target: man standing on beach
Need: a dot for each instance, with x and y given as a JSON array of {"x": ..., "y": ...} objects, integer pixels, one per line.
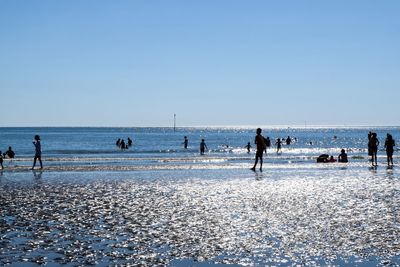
[{"x": 259, "y": 141}]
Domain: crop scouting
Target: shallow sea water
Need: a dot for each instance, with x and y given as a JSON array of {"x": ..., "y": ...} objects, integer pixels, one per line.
[{"x": 289, "y": 215}]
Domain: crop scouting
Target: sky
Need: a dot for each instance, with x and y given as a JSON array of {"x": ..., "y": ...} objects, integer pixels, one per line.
[{"x": 210, "y": 62}]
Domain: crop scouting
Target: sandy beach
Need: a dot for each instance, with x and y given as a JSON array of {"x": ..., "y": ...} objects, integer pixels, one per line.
[{"x": 312, "y": 215}]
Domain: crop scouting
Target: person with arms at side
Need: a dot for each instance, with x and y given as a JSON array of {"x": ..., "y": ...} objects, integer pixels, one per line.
[
  {"x": 38, "y": 152},
  {"x": 203, "y": 147},
  {"x": 389, "y": 146},
  {"x": 259, "y": 141},
  {"x": 343, "y": 157}
]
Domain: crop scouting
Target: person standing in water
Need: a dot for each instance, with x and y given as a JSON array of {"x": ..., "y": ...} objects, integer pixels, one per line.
[
  {"x": 38, "y": 152},
  {"x": 1, "y": 160},
  {"x": 389, "y": 146},
  {"x": 185, "y": 142},
  {"x": 373, "y": 145},
  {"x": 278, "y": 145},
  {"x": 288, "y": 141},
  {"x": 259, "y": 141},
  {"x": 248, "y": 146},
  {"x": 203, "y": 147}
]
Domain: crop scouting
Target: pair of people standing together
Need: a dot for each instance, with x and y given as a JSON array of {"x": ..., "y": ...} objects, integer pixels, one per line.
[{"x": 373, "y": 144}]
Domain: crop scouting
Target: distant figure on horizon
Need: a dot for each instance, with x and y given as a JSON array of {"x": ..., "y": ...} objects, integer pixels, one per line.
[
  {"x": 259, "y": 141},
  {"x": 1, "y": 160},
  {"x": 288, "y": 141},
  {"x": 118, "y": 143},
  {"x": 185, "y": 142},
  {"x": 343, "y": 157},
  {"x": 278, "y": 145},
  {"x": 203, "y": 147},
  {"x": 130, "y": 142},
  {"x": 38, "y": 152},
  {"x": 373, "y": 145},
  {"x": 389, "y": 146},
  {"x": 9, "y": 153},
  {"x": 248, "y": 146}
]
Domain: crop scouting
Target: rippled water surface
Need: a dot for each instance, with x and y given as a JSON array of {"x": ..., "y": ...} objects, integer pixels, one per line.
[{"x": 310, "y": 214}]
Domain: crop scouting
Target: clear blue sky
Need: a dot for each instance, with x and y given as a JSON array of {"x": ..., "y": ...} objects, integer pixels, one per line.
[{"x": 212, "y": 62}]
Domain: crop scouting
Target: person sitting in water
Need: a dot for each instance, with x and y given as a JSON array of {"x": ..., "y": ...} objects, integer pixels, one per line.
[
  {"x": 332, "y": 159},
  {"x": 9, "y": 153},
  {"x": 323, "y": 158},
  {"x": 343, "y": 156}
]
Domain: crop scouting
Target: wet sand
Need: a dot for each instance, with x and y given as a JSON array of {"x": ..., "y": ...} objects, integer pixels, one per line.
[{"x": 284, "y": 216}]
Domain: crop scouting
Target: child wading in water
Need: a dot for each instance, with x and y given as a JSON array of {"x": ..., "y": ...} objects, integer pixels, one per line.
[{"x": 38, "y": 152}]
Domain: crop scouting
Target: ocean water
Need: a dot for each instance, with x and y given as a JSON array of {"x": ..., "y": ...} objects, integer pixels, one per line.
[
  {"x": 157, "y": 204},
  {"x": 161, "y": 148}
]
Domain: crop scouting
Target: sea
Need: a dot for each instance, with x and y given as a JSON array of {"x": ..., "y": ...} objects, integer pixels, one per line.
[{"x": 159, "y": 204}]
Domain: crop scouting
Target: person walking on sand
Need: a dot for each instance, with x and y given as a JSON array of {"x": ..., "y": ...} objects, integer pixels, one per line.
[
  {"x": 38, "y": 152},
  {"x": 185, "y": 142},
  {"x": 389, "y": 146},
  {"x": 203, "y": 147},
  {"x": 259, "y": 141},
  {"x": 373, "y": 145}
]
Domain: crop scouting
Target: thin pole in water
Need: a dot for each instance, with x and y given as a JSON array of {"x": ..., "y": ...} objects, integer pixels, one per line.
[{"x": 174, "y": 122}]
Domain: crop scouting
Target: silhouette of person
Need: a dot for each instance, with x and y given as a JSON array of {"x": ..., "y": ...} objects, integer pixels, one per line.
[
  {"x": 259, "y": 141},
  {"x": 373, "y": 145},
  {"x": 267, "y": 142},
  {"x": 278, "y": 145},
  {"x": 185, "y": 142},
  {"x": 288, "y": 141},
  {"x": 123, "y": 145},
  {"x": 10, "y": 153},
  {"x": 369, "y": 145},
  {"x": 332, "y": 159},
  {"x": 203, "y": 147},
  {"x": 248, "y": 146},
  {"x": 129, "y": 142},
  {"x": 1, "y": 160},
  {"x": 343, "y": 156},
  {"x": 389, "y": 146},
  {"x": 38, "y": 152},
  {"x": 118, "y": 143}
]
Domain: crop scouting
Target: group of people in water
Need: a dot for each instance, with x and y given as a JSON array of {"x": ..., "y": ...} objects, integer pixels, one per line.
[
  {"x": 262, "y": 144},
  {"x": 373, "y": 144},
  {"x": 122, "y": 145},
  {"x": 38, "y": 154}
]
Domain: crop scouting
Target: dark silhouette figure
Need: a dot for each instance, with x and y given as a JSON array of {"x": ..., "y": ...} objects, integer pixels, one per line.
[
  {"x": 123, "y": 145},
  {"x": 332, "y": 159},
  {"x": 278, "y": 145},
  {"x": 130, "y": 142},
  {"x": 288, "y": 141},
  {"x": 267, "y": 142},
  {"x": 389, "y": 146},
  {"x": 1, "y": 160},
  {"x": 38, "y": 152},
  {"x": 185, "y": 142},
  {"x": 259, "y": 141},
  {"x": 373, "y": 145},
  {"x": 248, "y": 146},
  {"x": 203, "y": 147},
  {"x": 369, "y": 145},
  {"x": 9, "y": 153},
  {"x": 323, "y": 158},
  {"x": 343, "y": 157},
  {"x": 118, "y": 143}
]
